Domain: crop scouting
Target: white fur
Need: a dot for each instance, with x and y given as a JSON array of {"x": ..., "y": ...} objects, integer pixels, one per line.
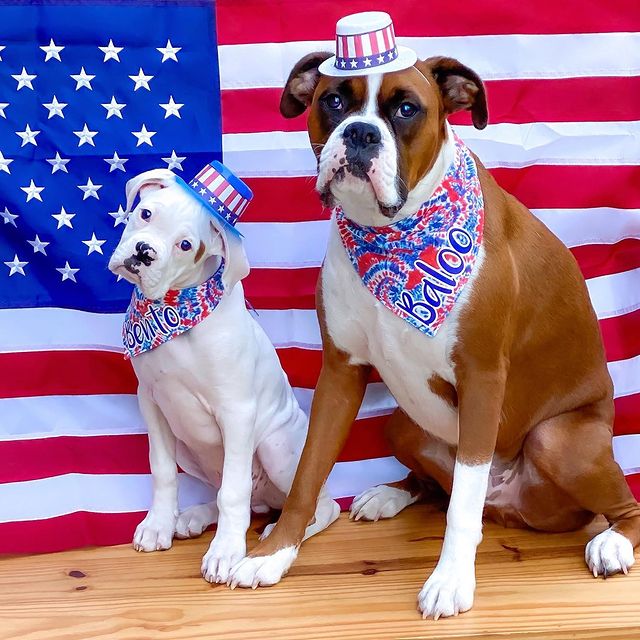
[
  {"x": 382, "y": 501},
  {"x": 450, "y": 588},
  {"x": 608, "y": 553},
  {"x": 215, "y": 399},
  {"x": 263, "y": 571}
]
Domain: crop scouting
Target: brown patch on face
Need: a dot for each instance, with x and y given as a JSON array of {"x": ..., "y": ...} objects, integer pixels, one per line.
[
  {"x": 443, "y": 389},
  {"x": 322, "y": 119},
  {"x": 199, "y": 252}
]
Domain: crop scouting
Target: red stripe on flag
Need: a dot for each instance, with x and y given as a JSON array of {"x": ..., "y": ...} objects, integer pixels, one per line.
[
  {"x": 537, "y": 187},
  {"x": 80, "y": 529},
  {"x": 254, "y": 21},
  {"x": 605, "y": 259},
  {"x": 358, "y": 44},
  {"x": 626, "y": 418},
  {"x": 621, "y": 337},
  {"x": 515, "y": 101},
  {"x": 634, "y": 482}
]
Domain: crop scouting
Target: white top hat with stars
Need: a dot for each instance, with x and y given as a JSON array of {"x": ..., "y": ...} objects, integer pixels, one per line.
[{"x": 366, "y": 44}]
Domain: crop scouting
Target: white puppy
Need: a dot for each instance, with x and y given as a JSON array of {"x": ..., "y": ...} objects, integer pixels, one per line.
[{"x": 215, "y": 398}]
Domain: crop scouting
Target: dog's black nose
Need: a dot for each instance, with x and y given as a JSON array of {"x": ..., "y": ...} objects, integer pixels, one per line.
[
  {"x": 143, "y": 247},
  {"x": 361, "y": 135}
]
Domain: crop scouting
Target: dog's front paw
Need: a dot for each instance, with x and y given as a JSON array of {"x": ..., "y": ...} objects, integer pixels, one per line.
[
  {"x": 262, "y": 571},
  {"x": 155, "y": 532},
  {"x": 193, "y": 521},
  {"x": 380, "y": 502},
  {"x": 608, "y": 553},
  {"x": 224, "y": 553},
  {"x": 447, "y": 592}
]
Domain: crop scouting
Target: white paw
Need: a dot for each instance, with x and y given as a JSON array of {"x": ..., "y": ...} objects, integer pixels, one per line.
[
  {"x": 447, "y": 592},
  {"x": 223, "y": 553},
  {"x": 194, "y": 520},
  {"x": 267, "y": 530},
  {"x": 380, "y": 502},
  {"x": 608, "y": 553},
  {"x": 262, "y": 571},
  {"x": 155, "y": 532}
]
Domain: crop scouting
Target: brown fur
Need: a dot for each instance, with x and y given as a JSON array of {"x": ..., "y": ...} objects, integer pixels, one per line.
[{"x": 532, "y": 382}]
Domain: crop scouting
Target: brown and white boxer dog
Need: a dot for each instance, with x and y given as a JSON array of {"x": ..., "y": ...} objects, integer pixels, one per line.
[{"x": 498, "y": 369}]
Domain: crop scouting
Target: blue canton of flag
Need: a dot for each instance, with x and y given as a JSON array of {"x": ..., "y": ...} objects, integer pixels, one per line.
[{"x": 91, "y": 95}]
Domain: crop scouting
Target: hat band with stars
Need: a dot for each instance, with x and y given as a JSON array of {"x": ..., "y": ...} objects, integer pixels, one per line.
[
  {"x": 366, "y": 50},
  {"x": 223, "y": 193}
]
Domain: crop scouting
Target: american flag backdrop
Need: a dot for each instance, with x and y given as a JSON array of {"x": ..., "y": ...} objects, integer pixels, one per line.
[{"x": 92, "y": 93}]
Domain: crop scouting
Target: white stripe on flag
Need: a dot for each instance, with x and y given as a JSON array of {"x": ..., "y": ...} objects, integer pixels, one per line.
[
  {"x": 626, "y": 450},
  {"x": 366, "y": 45},
  {"x": 351, "y": 47},
  {"x": 626, "y": 376},
  {"x": 51, "y": 328},
  {"x": 493, "y": 57},
  {"x": 288, "y": 153},
  {"x": 117, "y": 493}
]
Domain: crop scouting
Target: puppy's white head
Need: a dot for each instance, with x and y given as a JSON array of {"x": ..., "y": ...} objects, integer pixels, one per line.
[{"x": 171, "y": 241}]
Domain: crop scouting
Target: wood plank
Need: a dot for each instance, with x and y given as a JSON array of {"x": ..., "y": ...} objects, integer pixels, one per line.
[{"x": 354, "y": 581}]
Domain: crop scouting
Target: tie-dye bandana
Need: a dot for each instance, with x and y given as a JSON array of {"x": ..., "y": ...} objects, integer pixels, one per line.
[
  {"x": 150, "y": 323},
  {"x": 418, "y": 266}
]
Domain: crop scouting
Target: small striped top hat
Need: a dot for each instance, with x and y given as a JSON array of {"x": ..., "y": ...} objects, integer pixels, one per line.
[
  {"x": 222, "y": 192},
  {"x": 366, "y": 44}
]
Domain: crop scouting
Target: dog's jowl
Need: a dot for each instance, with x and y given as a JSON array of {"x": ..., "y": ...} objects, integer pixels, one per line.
[
  {"x": 441, "y": 281},
  {"x": 211, "y": 389}
]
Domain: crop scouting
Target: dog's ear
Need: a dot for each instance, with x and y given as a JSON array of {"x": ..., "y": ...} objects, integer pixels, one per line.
[
  {"x": 227, "y": 244},
  {"x": 461, "y": 88},
  {"x": 148, "y": 181},
  {"x": 301, "y": 84}
]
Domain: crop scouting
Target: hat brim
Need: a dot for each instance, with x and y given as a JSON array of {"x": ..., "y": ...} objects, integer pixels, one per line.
[
  {"x": 406, "y": 58},
  {"x": 221, "y": 220}
]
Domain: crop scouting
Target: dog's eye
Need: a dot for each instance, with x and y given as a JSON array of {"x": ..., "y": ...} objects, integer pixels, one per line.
[
  {"x": 145, "y": 214},
  {"x": 406, "y": 110},
  {"x": 185, "y": 245},
  {"x": 333, "y": 101}
]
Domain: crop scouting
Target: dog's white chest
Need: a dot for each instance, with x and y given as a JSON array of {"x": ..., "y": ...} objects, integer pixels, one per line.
[{"x": 405, "y": 358}]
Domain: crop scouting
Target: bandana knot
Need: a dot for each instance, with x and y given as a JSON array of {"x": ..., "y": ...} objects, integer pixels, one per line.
[
  {"x": 150, "y": 323},
  {"x": 418, "y": 266}
]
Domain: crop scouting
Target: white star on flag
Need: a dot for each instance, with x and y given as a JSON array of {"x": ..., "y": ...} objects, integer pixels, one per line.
[
  {"x": 144, "y": 136},
  {"x": 16, "y": 266},
  {"x": 3, "y": 106},
  {"x": 63, "y": 218},
  {"x": 38, "y": 245},
  {"x": 120, "y": 216},
  {"x": 90, "y": 190},
  {"x": 141, "y": 80},
  {"x": 58, "y": 163},
  {"x": 354, "y": 64},
  {"x": 172, "y": 108},
  {"x": 33, "y": 191},
  {"x": 169, "y": 52},
  {"x": 380, "y": 59},
  {"x": 116, "y": 162},
  {"x": 55, "y": 107},
  {"x": 8, "y": 217},
  {"x": 86, "y": 136},
  {"x": 28, "y": 136},
  {"x": 94, "y": 244},
  {"x": 367, "y": 62},
  {"x": 114, "y": 108},
  {"x": 83, "y": 79},
  {"x": 2, "y": 48},
  {"x": 221, "y": 208},
  {"x": 24, "y": 79},
  {"x": 111, "y": 52},
  {"x": 52, "y": 51},
  {"x": 174, "y": 161},
  {"x": 343, "y": 63},
  {"x": 4, "y": 163},
  {"x": 67, "y": 272}
]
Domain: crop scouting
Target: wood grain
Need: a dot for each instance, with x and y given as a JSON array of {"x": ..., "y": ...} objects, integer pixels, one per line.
[{"x": 354, "y": 581}]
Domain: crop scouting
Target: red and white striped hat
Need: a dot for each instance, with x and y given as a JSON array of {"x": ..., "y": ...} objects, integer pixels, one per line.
[{"x": 366, "y": 44}]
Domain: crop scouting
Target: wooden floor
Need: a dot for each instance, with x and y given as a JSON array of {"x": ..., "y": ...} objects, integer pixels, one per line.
[{"x": 356, "y": 580}]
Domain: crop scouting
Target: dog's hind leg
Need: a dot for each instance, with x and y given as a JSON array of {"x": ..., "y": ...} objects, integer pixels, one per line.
[
  {"x": 430, "y": 460},
  {"x": 593, "y": 480}
]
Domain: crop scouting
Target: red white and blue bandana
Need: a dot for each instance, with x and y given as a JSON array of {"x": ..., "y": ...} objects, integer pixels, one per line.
[
  {"x": 150, "y": 323},
  {"x": 418, "y": 266}
]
